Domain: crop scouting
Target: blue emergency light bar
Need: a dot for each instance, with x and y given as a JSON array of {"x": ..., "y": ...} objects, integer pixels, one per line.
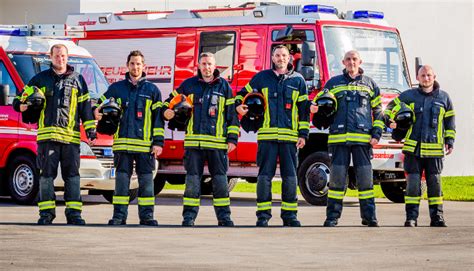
[
  {"x": 367, "y": 14},
  {"x": 13, "y": 31},
  {"x": 319, "y": 8}
]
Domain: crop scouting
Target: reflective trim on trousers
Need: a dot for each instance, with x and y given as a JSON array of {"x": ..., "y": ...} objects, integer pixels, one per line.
[
  {"x": 289, "y": 206},
  {"x": 191, "y": 202},
  {"x": 334, "y": 194},
  {"x": 412, "y": 200},
  {"x": 264, "y": 206},
  {"x": 76, "y": 205},
  {"x": 221, "y": 202},
  {"x": 367, "y": 194},
  {"x": 121, "y": 200},
  {"x": 45, "y": 205},
  {"x": 146, "y": 201},
  {"x": 435, "y": 201}
]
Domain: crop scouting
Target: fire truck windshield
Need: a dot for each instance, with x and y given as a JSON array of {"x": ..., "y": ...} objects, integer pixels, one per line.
[
  {"x": 382, "y": 57},
  {"x": 29, "y": 65}
]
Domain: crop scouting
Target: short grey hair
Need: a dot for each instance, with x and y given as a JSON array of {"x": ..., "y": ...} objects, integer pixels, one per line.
[{"x": 206, "y": 54}]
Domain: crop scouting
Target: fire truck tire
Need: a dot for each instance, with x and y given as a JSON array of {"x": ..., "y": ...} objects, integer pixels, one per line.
[
  {"x": 394, "y": 191},
  {"x": 109, "y": 194},
  {"x": 206, "y": 185},
  {"x": 23, "y": 179},
  {"x": 313, "y": 178}
]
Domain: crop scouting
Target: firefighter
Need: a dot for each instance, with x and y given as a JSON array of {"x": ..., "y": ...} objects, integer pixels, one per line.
[
  {"x": 67, "y": 104},
  {"x": 430, "y": 137},
  {"x": 284, "y": 130},
  {"x": 138, "y": 139},
  {"x": 211, "y": 134},
  {"x": 357, "y": 126}
]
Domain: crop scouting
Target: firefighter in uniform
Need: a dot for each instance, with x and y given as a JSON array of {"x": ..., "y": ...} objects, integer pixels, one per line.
[
  {"x": 431, "y": 134},
  {"x": 67, "y": 104},
  {"x": 139, "y": 138},
  {"x": 212, "y": 132},
  {"x": 356, "y": 127},
  {"x": 284, "y": 130}
]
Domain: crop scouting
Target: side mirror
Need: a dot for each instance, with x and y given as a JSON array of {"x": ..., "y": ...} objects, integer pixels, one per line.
[
  {"x": 284, "y": 33},
  {"x": 4, "y": 90},
  {"x": 308, "y": 53},
  {"x": 418, "y": 64},
  {"x": 307, "y": 72}
]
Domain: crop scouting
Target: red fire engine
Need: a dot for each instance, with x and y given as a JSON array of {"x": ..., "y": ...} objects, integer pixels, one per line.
[{"x": 242, "y": 40}]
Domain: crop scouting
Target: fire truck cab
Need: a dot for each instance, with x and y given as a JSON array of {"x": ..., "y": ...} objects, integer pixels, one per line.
[
  {"x": 21, "y": 57},
  {"x": 242, "y": 40}
]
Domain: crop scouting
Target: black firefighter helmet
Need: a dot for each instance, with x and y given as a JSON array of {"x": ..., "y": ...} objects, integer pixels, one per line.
[
  {"x": 327, "y": 107},
  {"x": 111, "y": 114},
  {"x": 404, "y": 119},
  {"x": 35, "y": 102},
  {"x": 183, "y": 108},
  {"x": 256, "y": 104}
]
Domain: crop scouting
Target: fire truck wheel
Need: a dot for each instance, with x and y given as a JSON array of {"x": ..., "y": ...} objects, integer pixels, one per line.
[
  {"x": 206, "y": 185},
  {"x": 23, "y": 179},
  {"x": 313, "y": 178},
  {"x": 394, "y": 191},
  {"x": 109, "y": 194}
]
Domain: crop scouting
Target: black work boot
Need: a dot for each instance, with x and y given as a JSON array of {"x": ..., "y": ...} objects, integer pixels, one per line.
[
  {"x": 262, "y": 222},
  {"x": 46, "y": 219},
  {"x": 371, "y": 223},
  {"x": 76, "y": 220},
  {"x": 225, "y": 223},
  {"x": 149, "y": 222},
  {"x": 188, "y": 222},
  {"x": 291, "y": 223},
  {"x": 117, "y": 222},
  {"x": 330, "y": 223},
  {"x": 411, "y": 223},
  {"x": 438, "y": 223}
]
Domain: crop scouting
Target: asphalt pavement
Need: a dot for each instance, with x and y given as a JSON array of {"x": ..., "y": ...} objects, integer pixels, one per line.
[{"x": 350, "y": 246}]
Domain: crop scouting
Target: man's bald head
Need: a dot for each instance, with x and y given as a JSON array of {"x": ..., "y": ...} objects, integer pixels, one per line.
[
  {"x": 426, "y": 77},
  {"x": 352, "y": 62}
]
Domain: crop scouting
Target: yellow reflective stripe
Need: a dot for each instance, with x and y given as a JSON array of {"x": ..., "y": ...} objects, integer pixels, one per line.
[
  {"x": 189, "y": 130},
  {"x": 220, "y": 118},
  {"x": 205, "y": 144},
  {"x": 411, "y": 142},
  {"x": 425, "y": 152},
  {"x": 379, "y": 124},
  {"x": 76, "y": 205},
  {"x": 435, "y": 200},
  {"x": 349, "y": 137},
  {"x": 103, "y": 98},
  {"x": 248, "y": 87},
  {"x": 166, "y": 104},
  {"x": 450, "y": 133},
  {"x": 121, "y": 200},
  {"x": 230, "y": 101},
  {"x": 303, "y": 125},
  {"x": 41, "y": 119},
  {"x": 44, "y": 205},
  {"x": 205, "y": 138},
  {"x": 449, "y": 113},
  {"x": 156, "y": 105},
  {"x": 191, "y": 201},
  {"x": 289, "y": 206},
  {"x": 397, "y": 101},
  {"x": 412, "y": 200},
  {"x": 147, "y": 125},
  {"x": 439, "y": 134},
  {"x": 83, "y": 98},
  {"x": 133, "y": 141},
  {"x": 334, "y": 194},
  {"x": 132, "y": 148},
  {"x": 294, "y": 110},
  {"x": 89, "y": 124},
  {"x": 158, "y": 132},
  {"x": 233, "y": 129},
  {"x": 264, "y": 206},
  {"x": 72, "y": 109},
  {"x": 376, "y": 101},
  {"x": 303, "y": 98},
  {"x": 431, "y": 146},
  {"x": 408, "y": 148},
  {"x": 59, "y": 130},
  {"x": 351, "y": 88},
  {"x": 239, "y": 98},
  {"x": 266, "y": 117},
  {"x": 174, "y": 93},
  {"x": 367, "y": 194},
  {"x": 221, "y": 202},
  {"x": 146, "y": 201}
]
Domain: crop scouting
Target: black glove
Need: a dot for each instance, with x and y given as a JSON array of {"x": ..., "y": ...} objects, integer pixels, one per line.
[{"x": 91, "y": 134}]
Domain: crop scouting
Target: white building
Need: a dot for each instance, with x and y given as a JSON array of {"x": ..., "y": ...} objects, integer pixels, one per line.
[{"x": 440, "y": 32}]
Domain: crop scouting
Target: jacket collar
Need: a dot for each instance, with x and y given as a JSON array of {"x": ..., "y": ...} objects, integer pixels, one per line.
[
  {"x": 435, "y": 91},
  {"x": 69, "y": 70},
  {"x": 140, "y": 81},
  {"x": 346, "y": 74}
]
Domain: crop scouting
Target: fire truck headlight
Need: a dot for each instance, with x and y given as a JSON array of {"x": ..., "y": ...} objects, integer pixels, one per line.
[{"x": 86, "y": 149}]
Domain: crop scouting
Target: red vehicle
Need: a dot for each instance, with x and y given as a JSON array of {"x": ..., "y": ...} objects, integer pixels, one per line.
[
  {"x": 242, "y": 40},
  {"x": 21, "y": 57}
]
